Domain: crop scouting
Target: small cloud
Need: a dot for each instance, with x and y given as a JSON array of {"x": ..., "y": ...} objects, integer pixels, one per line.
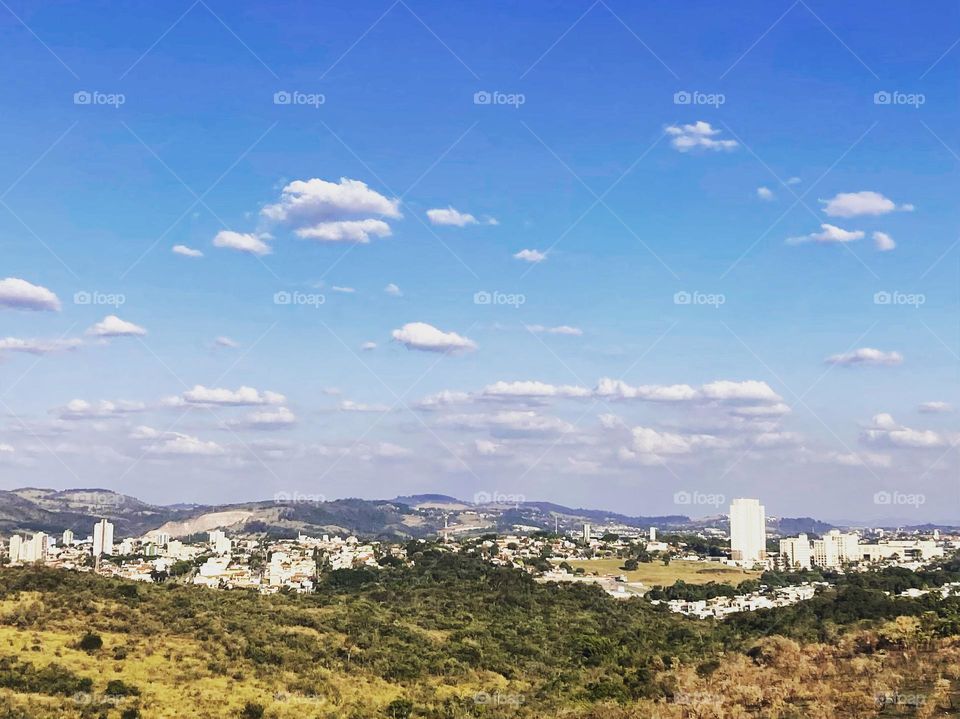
[
  {"x": 866, "y": 356},
  {"x": 113, "y": 326},
  {"x": 700, "y": 135},
  {"x": 393, "y": 290},
  {"x": 883, "y": 242},
  {"x": 935, "y": 408},
  {"x": 559, "y": 330},
  {"x": 368, "y": 346},
  {"x": 344, "y": 290},
  {"x": 530, "y": 256},
  {"x": 358, "y": 231},
  {"x": 348, "y": 405},
  {"x": 794, "y": 181},
  {"x": 186, "y": 251},
  {"x": 427, "y": 338},
  {"x": 19, "y": 294},
  {"x": 829, "y": 234},
  {"x": 226, "y": 342},
  {"x": 201, "y": 396},
  {"x": 268, "y": 419},
  {"x": 243, "y": 242},
  {"x": 450, "y": 217},
  {"x": 855, "y": 204},
  {"x": 765, "y": 193},
  {"x": 38, "y": 347}
]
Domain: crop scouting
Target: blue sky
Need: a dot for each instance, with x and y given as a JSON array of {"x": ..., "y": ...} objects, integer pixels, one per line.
[{"x": 787, "y": 376}]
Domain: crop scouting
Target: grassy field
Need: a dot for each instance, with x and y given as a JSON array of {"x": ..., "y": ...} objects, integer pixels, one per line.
[{"x": 657, "y": 573}]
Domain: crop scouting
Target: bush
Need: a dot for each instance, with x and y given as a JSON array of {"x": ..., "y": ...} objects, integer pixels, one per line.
[
  {"x": 117, "y": 688},
  {"x": 252, "y": 710},
  {"x": 90, "y": 643}
]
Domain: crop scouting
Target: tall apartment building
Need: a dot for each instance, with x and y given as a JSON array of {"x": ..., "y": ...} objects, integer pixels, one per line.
[
  {"x": 67, "y": 538},
  {"x": 796, "y": 552},
  {"x": 748, "y": 530},
  {"x": 16, "y": 548},
  {"x": 102, "y": 538}
]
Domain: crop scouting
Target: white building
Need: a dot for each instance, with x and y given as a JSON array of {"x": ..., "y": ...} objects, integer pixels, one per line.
[
  {"x": 748, "y": 530},
  {"x": 653, "y": 534},
  {"x": 586, "y": 533},
  {"x": 67, "y": 538},
  {"x": 836, "y": 549},
  {"x": 102, "y": 538},
  {"x": 16, "y": 548},
  {"x": 35, "y": 549},
  {"x": 796, "y": 552}
]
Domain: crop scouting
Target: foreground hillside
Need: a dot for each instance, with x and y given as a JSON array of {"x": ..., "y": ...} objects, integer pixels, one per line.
[{"x": 456, "y": 638}]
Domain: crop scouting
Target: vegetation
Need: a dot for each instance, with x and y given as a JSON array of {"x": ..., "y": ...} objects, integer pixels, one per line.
[{"x": 456, "y": 637}]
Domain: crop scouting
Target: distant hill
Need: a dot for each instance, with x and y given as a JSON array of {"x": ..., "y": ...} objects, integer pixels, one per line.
[{"x": 796, "y": 525}]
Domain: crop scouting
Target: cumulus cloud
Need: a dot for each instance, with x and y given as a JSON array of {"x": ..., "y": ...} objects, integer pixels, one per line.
[
  {"x": 425, "y": 337},
  {"x": 348, "y": 405},
  {"x": 532, "y": 256},
  {"x": 866, "y": 356},
  {"x": 855, "y": 204},
  {"x": 765, "y": 193},
  {"x": 243, "y": 242},
  {"x": 368, "y": 346},
  {"x": 649, "y": 441},
  {"x": 559, "y": 330},
  {"x": 450, "y": 217},
  {"x": 935, "y": 407},
  {"x": 79, "y": 409},
  {"x": 444, "y": 398},
  {"x": 217, "y": 396},
  {"x": 37, "y": 346},
  {"x": 884, "y": 431},
  {"x": 698, "y": 136},
  {"x": 829, "y": 234},
  {"x": 174, "y": 443},
  {"x": 883, "y": 242},
  {"x": 392, "y": 290},
  {"x": 532, "y": 389},
  {"x": 278, "y": 418},
  {"x": 113, "y": 326},
  {"x": 618, "y": 389},
  {"x": 186, "y": 251},
  {"x": 358, "y": 231},
  {"x": 19, "y": 294},
  {"x": 514, "y": 423},
  {"x": 226, "y": 342},
  {"x": 305, "y": 202}
]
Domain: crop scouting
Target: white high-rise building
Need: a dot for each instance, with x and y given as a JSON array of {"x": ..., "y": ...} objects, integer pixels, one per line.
[
  {"x": 16, "y": 548},
  {"x": 102, "y": 538},
  {"x": 67, "y": 538},
  {"x": 35, "y": 549},
  {"x": 586, "y": 533},
  {"x": 748, "y": 530},
  {"x": 796, "y": 552},
  {"x": 836, "y": 548},
  {"x": 653, "y": 534}
]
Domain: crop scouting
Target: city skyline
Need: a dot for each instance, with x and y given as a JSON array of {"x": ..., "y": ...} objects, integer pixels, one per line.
[{"x": 604, "y": 256}]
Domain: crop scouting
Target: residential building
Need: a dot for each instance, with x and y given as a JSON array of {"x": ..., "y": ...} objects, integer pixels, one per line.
[
  {"x": 796, "y": 552},
  {"x": 102, "y": 538},
  {"x": 67, "y": 538},
  {"x": 748, "y": 531}
]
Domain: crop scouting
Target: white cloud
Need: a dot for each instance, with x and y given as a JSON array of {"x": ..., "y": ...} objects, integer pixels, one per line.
[
  {"x": 444, "y": 398},
  {"x": 37, "y": 347},
  {"x": 618, "y": 389},
  {"x": 77, "y": 409},
  {"x": 884, "y": 431},
  {"x": 485, "y": 448},
  {"x": 765, "y": 193},
  {"x": 530, "y": 256},
  {"x": 211, "y": 396},
  {"x": 762, "y": 410},
  {"x": 113, "y": 326},
  {"x": 746, "y": 391},
  {"x": 935, "y": 407},
  {"x": 559, "y": 330},
  {"x": 532, "y": 389},
  {"x": 344, "y": 290},
  {"x": 19, "y": 294},
  {"x": 647, "y": 440},
  {"x": 392, "y": 290},
  {"x": 243, "y": 242},
  {"x": 794, "y": 181},
  {"x": 387, "y": 450},
  {"x": 422, "y": 336},
  {"x": 143, "y": 432},
  {"x": 700, "y": 135},
  {"x": 348, "y": 405},
  {"x": 368, "y": 346},
  {"x": 829, "y": 234},
  {"x": 855, "y": 204},
  {"x": 450, "y": 217},
  {"x": 516, "y": 423},
  {"x": 307, "y": 202},
  {"x": 268, "y": 419},
  {"x": 174, "y": 443},
  {"x": 866, "y": 356},
  {"x": 186, "y": 251},
  {"x": 226, "y": 342},
  {"x": 883, "y": 242},
  {"x": 859, "y": 459},
  {"x": 358, "y": 231}
]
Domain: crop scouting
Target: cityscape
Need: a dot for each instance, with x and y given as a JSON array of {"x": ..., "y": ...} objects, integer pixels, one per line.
[{"x": 410, "y": 359}]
